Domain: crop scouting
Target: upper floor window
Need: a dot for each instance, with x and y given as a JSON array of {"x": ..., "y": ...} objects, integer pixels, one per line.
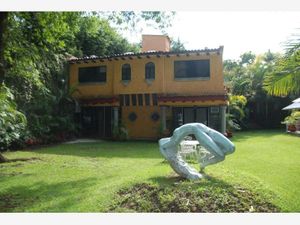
[
  {"x": 150, "y": 71},
  {"x": 192, "y": 69},
  {"x": 126, "y": 72},
  {"x": 92, "y": 74}
]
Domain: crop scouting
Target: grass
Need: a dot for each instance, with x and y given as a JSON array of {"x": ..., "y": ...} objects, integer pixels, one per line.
[{"x": 86, "y": 177}]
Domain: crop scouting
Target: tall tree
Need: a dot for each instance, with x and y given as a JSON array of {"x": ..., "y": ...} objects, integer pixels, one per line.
[
  {"x": 97, "y": 37},
  {"x": 34, "y": 56},
  {"x": 247, "y": 58},
  {"x": 3, "y": 27},
  {"x": 177, "y": 45},
  {"x": 285, "y": 78},
  {"x": 130, "y": 20},
  {"x": 246, "y": 77}
]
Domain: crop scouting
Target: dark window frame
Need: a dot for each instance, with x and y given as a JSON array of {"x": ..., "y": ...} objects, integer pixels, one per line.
[
  {"x": 133, "y": 100},
  {"x": 92, "y": 74},
  {"x": 140, "y": 100},
  {"x": 192, "y": 69},
  {"x": 154, "y": 99},
  {"x": 122, "y": 100},
  {"x": 127, "y": 100},
  {"x": 150, "y": 71},
  {"x": 147, "y": 99},
  {"x": 126, "y": 72}
]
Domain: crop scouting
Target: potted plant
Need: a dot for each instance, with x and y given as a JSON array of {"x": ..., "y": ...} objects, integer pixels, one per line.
[
  {"x": 297, "y": 116},
  {"x": 292, "y": 120}
]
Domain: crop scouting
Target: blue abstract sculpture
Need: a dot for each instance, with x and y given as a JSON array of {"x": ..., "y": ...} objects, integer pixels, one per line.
[{"x": 214, "y": 147}]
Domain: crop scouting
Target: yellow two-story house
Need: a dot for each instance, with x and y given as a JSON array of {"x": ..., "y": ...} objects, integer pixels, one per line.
[{"x": 151, "y": 92}]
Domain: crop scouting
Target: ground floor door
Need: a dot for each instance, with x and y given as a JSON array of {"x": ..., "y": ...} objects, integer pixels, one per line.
[
  {"x": 96, "y": 122},
  {"x": 183, "y": 115}
]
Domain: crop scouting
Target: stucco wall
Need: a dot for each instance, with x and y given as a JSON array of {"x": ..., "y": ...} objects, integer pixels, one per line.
[
  {"x": 164, "y": 82},
  {"x": 155, "y": 42},
  {"x": 91, "y": 90},
  {"x": 214, "y": 85},
  {"x": 138, "y": 83},
  {"x": 143, "y": 127}
]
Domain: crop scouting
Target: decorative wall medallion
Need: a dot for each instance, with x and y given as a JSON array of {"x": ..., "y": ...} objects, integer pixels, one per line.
[
  {"x": 132, "y": 116},
  {"x": 155, "y": 116}
]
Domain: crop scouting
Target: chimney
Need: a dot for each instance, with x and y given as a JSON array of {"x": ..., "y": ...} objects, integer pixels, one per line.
[{"x": 155, "y": 43}]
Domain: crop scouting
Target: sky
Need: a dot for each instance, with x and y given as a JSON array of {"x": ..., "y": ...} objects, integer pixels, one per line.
[
  {"x": 237, "y": 31},
  {"x": 240, "y": 26}
]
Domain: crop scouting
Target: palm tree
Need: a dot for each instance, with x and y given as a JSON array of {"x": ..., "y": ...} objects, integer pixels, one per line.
[{"x": 285, "y": 79}]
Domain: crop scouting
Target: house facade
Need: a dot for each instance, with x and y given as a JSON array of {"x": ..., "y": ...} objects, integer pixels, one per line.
[{"x": 151, "y": 92}]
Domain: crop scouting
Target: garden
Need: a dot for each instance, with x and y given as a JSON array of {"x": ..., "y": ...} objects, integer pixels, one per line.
[
  {"x": 105, "y": 176},
  {"x": 41, "y": 172}
]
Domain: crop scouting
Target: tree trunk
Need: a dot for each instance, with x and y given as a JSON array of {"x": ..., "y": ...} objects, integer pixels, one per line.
[
  {"x": 3, "y": 26},
  {"x": 2, "y": 159}
]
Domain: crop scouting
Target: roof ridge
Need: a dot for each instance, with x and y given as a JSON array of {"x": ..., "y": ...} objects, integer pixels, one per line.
[{"x": 93, "y": 57}]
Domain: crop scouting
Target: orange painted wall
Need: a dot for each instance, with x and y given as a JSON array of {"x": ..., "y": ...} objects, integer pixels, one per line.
[
  {"x": 214, "y": 85},
  {"x": 92, "y": 90},
  {"x": 164, "y": 82},
  {"x": 143, "y": 127},
  {"x": 138, "y": 83}
]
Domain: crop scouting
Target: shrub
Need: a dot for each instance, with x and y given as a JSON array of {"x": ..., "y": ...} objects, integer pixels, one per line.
[
  {"x": 120, "y": 132},
  {"x": 236, "y": 112},
  {"x": 12, "y": 122}
]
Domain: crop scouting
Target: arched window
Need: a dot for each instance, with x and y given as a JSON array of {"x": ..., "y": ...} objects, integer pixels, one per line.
[
  {"x": 150, "y": 71},
  {"x": 126, "y": 72}
]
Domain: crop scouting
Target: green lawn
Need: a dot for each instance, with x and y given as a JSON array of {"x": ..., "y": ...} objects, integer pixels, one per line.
[{"x": 85, "y": 177}]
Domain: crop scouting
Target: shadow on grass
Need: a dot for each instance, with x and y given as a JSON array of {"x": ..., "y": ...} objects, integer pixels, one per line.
[
  {"x": 105, "y": 149},
  {"x": 56, "y": 197}
]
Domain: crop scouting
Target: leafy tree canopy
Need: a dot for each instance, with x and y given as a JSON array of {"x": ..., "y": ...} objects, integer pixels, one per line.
[
  {"x": 177, "y": 45},
  {"x": 130, "y": 20},
  {"x": 247, "y": 58},
  {"x": 285, "y": 78},
  {"x": 34, "y": 47},
  {"x": 96, "y": 37},
  {"x": 246, "y": 75}
]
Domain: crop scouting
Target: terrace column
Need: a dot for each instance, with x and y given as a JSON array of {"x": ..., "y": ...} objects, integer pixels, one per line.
[
  {"x": 223, "y": 119},
  {"x": 163, "y": 117},
  {"x": 116, "y": 116}
]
